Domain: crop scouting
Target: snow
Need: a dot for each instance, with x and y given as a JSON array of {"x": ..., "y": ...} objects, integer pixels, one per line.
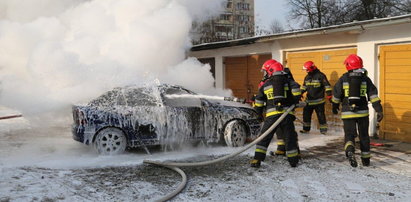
[{"x": 46, "y": 164}]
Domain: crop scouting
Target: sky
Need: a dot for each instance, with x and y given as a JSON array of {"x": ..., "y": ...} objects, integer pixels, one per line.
[{"x": 267, "y": 10}]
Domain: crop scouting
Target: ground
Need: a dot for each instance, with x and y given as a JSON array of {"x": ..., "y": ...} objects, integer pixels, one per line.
[{"x": 45, "y": 164}]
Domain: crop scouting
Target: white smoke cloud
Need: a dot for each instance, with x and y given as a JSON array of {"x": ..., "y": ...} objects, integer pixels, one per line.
[{"x": 55, "y": 53}]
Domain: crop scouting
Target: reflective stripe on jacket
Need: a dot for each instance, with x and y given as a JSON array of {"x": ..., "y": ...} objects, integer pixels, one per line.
[
  {"x": 368, "y": 92},
  {"x": 316, "y": 84}
]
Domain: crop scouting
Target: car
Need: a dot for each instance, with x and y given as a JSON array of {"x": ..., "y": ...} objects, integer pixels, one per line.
[{"x": 164, "y": 114}]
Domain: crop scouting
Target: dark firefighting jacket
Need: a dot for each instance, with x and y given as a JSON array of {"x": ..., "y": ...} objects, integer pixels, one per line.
[
  {"x": 277, "y": 94},
  {"x": 316, "y": 84},
  {"x": 366, "y": 92}
]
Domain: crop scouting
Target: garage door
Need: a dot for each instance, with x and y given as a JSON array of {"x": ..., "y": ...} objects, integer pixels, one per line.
[
  {"x": 395, "y": 68},
  {"x": 330, "y": 62},
  {"x": 242, "y": 74}
]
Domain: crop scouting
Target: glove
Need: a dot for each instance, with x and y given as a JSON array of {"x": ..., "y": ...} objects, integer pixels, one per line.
[
  {"x": 336, "y": 108},
  {"x": 300, "y": 104},
  {"x": 379, "y": 116}
]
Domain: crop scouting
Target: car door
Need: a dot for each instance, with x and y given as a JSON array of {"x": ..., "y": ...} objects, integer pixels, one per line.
[
  {"x": 147, "y": 115},
  {"x": 184, "y": 113}
]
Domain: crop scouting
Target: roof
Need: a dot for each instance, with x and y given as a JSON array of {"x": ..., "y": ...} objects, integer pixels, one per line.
[{"x": 352, "y": 26}]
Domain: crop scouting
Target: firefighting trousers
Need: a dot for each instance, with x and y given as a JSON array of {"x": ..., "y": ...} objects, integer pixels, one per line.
[
  {"x": 288, "y": 130},
  {"x": 353, "y": 128},
  {"x": 307, "y": 113},
  {"x": 280, "y": 141}
]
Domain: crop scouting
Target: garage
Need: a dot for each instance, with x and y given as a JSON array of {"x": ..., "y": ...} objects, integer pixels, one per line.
[
  {"x": 395, "y": 74},
  {"x": 242, "y": 74},
  {"x": 330, "y": 62}
]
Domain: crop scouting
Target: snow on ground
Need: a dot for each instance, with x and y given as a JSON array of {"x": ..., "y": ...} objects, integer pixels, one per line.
[{"x": 45, "y": 164}]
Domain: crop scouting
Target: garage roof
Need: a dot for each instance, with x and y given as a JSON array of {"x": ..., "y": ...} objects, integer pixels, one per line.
[{"x": 355, "y": 26}]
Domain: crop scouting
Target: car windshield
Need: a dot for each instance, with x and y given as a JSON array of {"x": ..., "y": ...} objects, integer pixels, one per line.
[{"x": 126, "y": 97}]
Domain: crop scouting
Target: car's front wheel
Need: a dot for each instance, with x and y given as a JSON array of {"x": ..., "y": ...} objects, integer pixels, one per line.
[
  {"x": 110, "y": 141},
  {"x": 235, "y": 133}
]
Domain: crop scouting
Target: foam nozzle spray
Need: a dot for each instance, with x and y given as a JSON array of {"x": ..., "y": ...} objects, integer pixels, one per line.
[{"x": 234, "y": 99}]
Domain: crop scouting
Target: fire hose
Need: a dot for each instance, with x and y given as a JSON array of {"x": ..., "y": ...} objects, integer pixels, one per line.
[{"x": 174, "y": 165}]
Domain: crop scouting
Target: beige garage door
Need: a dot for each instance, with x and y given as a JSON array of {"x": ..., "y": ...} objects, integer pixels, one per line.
[
  {"x": 395, "y": 91},
  {"x": 242, "y": 74},
  {"x": 330, "y": 62}
]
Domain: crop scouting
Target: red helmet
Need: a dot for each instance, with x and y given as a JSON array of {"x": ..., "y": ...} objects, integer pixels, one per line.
[
  {"x": 352, "y": 62},
  {"x": 270, "y": 66},
  {"x": 309, "y": 66}
]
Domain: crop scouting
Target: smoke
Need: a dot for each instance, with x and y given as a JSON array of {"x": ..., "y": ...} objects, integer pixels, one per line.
[{"x": 55, "y": 53}]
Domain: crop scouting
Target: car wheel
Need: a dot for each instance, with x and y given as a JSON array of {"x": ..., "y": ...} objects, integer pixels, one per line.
[
  {"x": 110, "y": 141},
  {"x": 235, "y": 133}
]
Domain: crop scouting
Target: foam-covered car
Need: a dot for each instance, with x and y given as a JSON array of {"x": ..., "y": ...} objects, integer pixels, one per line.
[{"x": 164, "y": 114}]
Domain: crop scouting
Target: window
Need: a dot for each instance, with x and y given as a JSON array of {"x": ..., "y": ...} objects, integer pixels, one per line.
[
  {"x": 225, "y": 17},
  {"x": 243, "y": 18},
  {"x": 239, "y": 6},
  {"x": 125, "y": 96},
  {"x": 243, "y": 29},
  {"x": 229, "y": 4},
  {"x": 140, "y": 97},
  {"x": 246, "y": 6},
  {"x": 225, "y": 29},
  {"x": 243, "y": 6},
  {"x": 178, "y": 97}
]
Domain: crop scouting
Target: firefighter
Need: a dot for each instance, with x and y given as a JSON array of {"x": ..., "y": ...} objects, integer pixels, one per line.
[
  {"x": 353, "y": 90},
  {"x": 280, "y": 151},
  {"x": 280, "y": 135},
  {"x": 277, "y": 94},
  {"x": 315, "y": 84}
]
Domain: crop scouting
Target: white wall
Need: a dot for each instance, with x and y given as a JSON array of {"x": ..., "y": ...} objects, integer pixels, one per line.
[{"x": 219, "y": 54}]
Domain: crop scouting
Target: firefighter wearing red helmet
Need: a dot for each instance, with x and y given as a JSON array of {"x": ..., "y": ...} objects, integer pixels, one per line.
[
  {"x": 277, "y": 94},
  {"x": 315, "y": 85},
  {"x": 353, "y": 91},
  {"x": 280, "y": 135}
]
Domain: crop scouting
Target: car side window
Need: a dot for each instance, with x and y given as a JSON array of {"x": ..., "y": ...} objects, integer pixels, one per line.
[
  {"x": 139, "y": 97},
  {"x": 177, "y": 97}
]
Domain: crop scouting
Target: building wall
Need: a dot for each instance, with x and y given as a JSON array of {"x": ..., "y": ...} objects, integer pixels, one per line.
[
  {"x": 219, "y": 54},
  {"x": 366, "y": 41},
  {"x": 236, "y": 22}
]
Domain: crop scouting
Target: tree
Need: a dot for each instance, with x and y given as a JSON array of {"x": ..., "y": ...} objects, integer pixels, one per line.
[
  {"x": 309, "y": 13},
  {"x": 320, "y": 13},
  {"x": 276, "y": 27}
]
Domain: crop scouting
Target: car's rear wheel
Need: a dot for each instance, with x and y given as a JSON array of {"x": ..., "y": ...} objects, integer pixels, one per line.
[
  {"x": 110, "y": 141},
  {"x": 235, "y": 133}
]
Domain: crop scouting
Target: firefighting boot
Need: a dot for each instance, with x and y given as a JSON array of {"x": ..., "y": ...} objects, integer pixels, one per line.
[
  {"x": 349, "y": 152},
  {"x": 293, "y": 161},
  {"x": 306, "y": 127},
  {"x": 323, "y": 131},
  {"x": 255, "y": 163},
  {"x": 365, "y": 161},
  {"x": 351, "y": 158}
]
